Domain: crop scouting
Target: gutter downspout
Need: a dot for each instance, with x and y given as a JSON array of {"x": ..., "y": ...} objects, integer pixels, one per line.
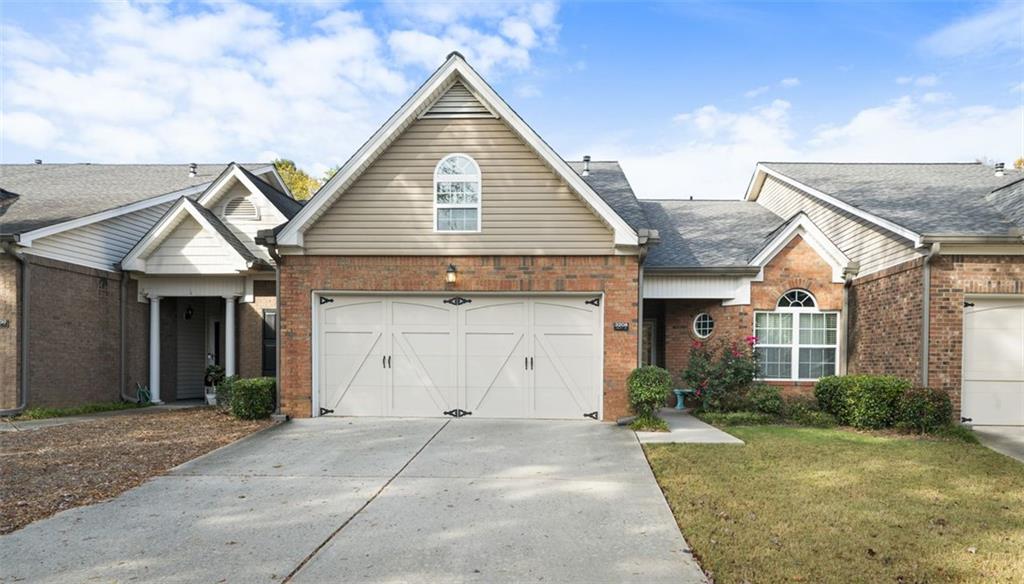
[
  {"x": 269, "y": 241},
  {"x": 647, "y": 238},
  {"x": 123, "y": 374},
  {"x": 926, "y": 276},
  {"x": 849, "y": 274},
  {"x": 23, "y": 297}
]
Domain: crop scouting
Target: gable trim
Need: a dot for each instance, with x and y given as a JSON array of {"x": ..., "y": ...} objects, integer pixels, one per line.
[
  {"x": 455, "y": 65},
  {"x": 217, "y": 187},
  {"x": 754, "y": 189},
  {"x": 135, "y": 260},
  {"x": 801, "y": 225}
]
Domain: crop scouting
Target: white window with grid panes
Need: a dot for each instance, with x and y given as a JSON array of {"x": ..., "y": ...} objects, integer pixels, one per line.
[
  {"x": 457, "y": 195},
  {"x": 796, "y": 341}
]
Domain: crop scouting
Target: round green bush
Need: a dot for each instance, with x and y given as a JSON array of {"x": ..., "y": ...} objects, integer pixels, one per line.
[
  {"x": 831, "y": 395},
  {"x": 252, "y": 399},
  {"x": 923, "y": 410},
  {"x": 649, "y": 387},
  {"x": 872, "y": 399},
  {"x": 765, "y": 399}
]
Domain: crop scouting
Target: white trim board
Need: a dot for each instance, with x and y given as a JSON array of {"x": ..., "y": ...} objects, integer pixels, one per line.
[
  {"x": 454, "y": 67},
  {"x": 754, "y": 189}
]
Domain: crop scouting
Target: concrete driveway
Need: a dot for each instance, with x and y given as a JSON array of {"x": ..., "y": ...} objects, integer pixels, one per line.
[
  {"x": 1008, "y": 440},
  {"x": 372, "y": 500}
]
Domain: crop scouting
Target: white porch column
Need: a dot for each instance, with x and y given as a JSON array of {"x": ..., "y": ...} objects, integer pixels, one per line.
[
  {"x": 154, "y": 349},
  {"x": 229, "y": 336}
]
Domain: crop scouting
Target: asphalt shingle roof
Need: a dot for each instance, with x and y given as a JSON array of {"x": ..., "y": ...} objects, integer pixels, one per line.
[
  {"x": 929, "y": 199},
  {"x": 284, "y": 203},
  {"x": 610, "y": 183},
  {"x": 705, "y": 234},
  {"x": 53, "y": 193}
]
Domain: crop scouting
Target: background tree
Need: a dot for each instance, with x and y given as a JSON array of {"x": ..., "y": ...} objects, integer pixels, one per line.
[
  {"x": 299, "y": 182},
  {"x": 1019, "y": 163},
  {"x": 330, "y": 172}
]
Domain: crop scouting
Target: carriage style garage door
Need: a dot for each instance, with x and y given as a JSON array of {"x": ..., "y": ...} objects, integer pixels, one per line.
[
  {"x": 993, "y": 384},
  {"x": 481, "y": 355}
]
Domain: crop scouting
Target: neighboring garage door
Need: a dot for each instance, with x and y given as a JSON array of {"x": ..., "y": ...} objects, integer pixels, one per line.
[
  {"x": 993, "y": 384},
  {"x": 489, "y": 356}
]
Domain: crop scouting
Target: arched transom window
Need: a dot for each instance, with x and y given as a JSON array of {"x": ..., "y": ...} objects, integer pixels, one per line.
[
  {"x": 796, "y": 341},
  {"x": 457, "y": 195}
]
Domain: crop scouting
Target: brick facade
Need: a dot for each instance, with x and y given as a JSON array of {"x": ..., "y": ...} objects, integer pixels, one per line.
[
  {"x": 250, "y": 328},
  {"x": 886, "y": 315},
  {"x": 10, "y": 275},
  {"x": 616, "y": 276},
  {"x": 885, "y": 322},
  {"x": 796, "y": 266}
]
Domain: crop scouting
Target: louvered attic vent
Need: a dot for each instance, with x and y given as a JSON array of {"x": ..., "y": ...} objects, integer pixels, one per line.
[{"x": 240, "y": 208}]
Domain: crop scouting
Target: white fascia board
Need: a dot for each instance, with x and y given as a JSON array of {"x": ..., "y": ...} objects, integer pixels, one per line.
[
  {"x": 755, "y": 187},
  {"x": 802, "y": 225},
  {"x": 455, "y": 65},
  {"x": 25, "y": 239}
]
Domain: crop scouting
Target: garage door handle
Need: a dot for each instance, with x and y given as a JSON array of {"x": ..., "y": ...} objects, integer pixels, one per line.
[
  {"x": 389, "y": 361},
  {"x": 531, "y": 363}
]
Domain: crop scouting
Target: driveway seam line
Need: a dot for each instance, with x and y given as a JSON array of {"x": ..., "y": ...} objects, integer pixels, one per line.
[{"x": 344, "y": 524}]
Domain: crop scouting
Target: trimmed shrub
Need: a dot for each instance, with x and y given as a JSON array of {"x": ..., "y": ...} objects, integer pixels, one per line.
[
  {"x": 253, "y": 398},
  {"x": 872, "y": 400},
  {"x": 721, "y": 374},
  {"x": 224, "y": 389},
  {"x": 649, "y": 387},
  {"x": 923, "y": 410},
  {"x": 861, "y": 401},
  {"x": 649, "y": 424},
  {"x": 765, "y": 399},
  {"x": 831, "y": 395}
]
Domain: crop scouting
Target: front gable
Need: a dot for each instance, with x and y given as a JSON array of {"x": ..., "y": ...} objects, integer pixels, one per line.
[
  {"x": 189, "y": 240},
  {"x": 523, "y": 182}
]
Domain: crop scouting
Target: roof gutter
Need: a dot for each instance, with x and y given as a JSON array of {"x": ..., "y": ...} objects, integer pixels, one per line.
[
  {"x": 7, "y": 243},
  {"x": 932, "y": 239},
  {"x": 706, "y": 271}
]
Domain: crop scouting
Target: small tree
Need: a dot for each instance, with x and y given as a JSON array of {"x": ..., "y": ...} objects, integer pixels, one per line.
[
  {"x": 299, "y": 182},
  {"x": 649, "y": 387}
]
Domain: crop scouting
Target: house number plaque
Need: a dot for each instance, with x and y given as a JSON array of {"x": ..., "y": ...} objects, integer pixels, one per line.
[{"x": 621, "y": 326}]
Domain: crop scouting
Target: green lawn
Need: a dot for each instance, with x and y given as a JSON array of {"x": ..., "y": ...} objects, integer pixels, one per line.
[{"x": 817, "y": 505}]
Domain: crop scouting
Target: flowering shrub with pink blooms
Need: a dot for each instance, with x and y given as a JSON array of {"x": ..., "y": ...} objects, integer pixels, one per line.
[{"x": 721, "y": 373}]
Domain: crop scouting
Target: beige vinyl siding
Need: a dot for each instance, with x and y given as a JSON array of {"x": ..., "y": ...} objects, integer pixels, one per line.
[
  {"x": 102, "y": 244},
  {"x": 190, "y": 249},
  {"x": 246, "y": 229},
  {"x": 526, "y": 208},
  {"x": 873, "y": 247},
  {"x": 457, "y": 101}
]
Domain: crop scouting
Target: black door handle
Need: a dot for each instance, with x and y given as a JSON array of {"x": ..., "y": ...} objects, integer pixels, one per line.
[
  {"x": 384, "y": 361},
  {"x": 389, "y": 361},
  {"x": 531, "y": 363}
]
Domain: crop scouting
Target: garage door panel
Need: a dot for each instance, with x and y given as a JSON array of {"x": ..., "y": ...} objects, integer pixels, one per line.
[
  {"x": 423, "y": 369},
  {"x": 353, "y": 373},
  {"x": 993, "y": 368},
  {"x": 563, "y": 372},
  {"x": 495, "y": 373}
]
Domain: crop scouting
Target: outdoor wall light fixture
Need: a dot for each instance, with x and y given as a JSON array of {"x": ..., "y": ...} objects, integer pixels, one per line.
[
  {"x": 188, "y": 313},
  {"x": 451, "y": 274}
]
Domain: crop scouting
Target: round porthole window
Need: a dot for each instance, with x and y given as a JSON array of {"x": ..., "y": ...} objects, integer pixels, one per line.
[{"x": 703, "y": 325}]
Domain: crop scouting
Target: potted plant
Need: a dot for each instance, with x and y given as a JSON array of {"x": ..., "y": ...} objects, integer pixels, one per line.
[{"x": 214, "y": 377}]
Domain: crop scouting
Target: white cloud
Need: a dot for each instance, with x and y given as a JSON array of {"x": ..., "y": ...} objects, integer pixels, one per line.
[
  {"x": 922, "y": 81},
  {"x": 235, "y": 81},
  {"x": 761, "y": 90},
  {"x": 994, "y": 30},
  {"x": 714, "y": 152},
  {"x": 528, "y": 91},
  {"x": 1018, "y": 88},
  {"x": 936, "y": 97}
]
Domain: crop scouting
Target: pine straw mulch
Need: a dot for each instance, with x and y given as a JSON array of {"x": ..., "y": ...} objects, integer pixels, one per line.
[{"x": 47, "y": 470}]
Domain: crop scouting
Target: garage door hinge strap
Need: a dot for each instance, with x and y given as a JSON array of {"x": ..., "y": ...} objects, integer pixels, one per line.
[
  {"x": 591, "y": 415},
  {"x": 457, "y": 300},
  {"x": 594, "y": 301},
  {"x": 325, "y": 411},
  {"x": 968, "y": 304},
  {"x": 963, "y": 420},
  {"x": 325, "y": 300},
  {"x": 458, "y": 413}
]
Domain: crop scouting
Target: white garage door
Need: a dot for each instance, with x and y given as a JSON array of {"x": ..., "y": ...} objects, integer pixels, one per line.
[
  {"x": 485, "y": 356},
  {"x": 993, "y": 384}
]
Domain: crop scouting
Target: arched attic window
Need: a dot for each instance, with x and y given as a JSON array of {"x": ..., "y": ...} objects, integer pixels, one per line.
[
  {"x": 457, "y": 195},
  {"x": 796, "y": 341}
]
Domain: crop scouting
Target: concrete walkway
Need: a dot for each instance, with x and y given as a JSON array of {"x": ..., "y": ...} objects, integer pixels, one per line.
[
  {"x": 7, "y": 425},
  {"x": 1008, "y": 440},
  {"x": 686, "y": 429},
  {"x": 372, "y": 500}
]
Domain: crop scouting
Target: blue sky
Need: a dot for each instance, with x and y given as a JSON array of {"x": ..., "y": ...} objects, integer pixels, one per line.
[{"x": 687, "y": 95}]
